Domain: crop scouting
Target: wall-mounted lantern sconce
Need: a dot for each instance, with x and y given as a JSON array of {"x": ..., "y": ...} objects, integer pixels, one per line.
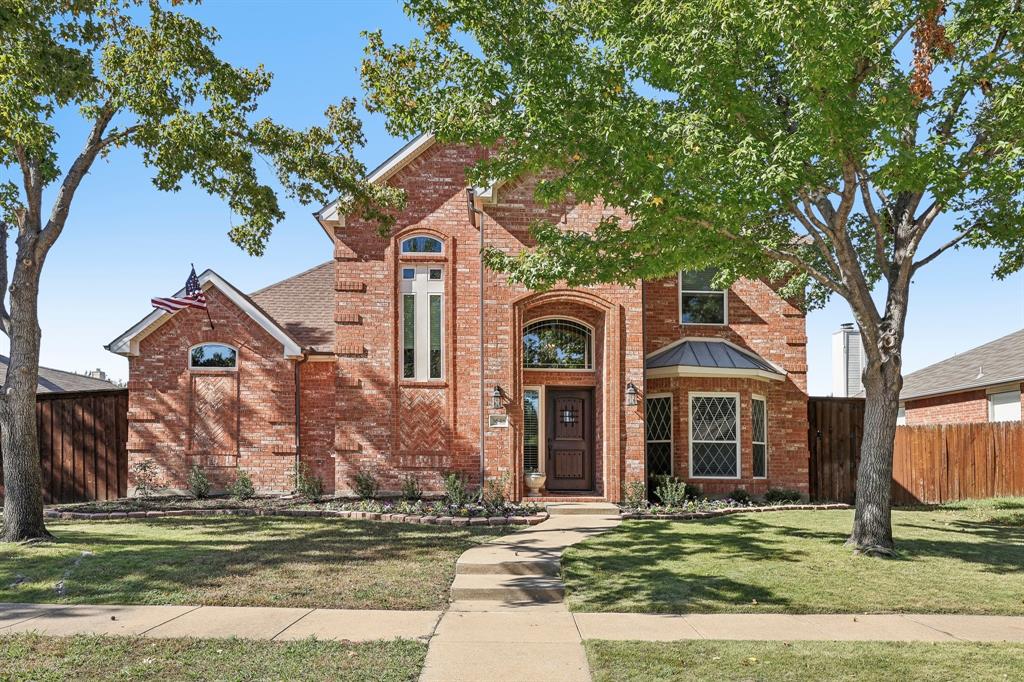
[
  {"x": 497, "y": 398},
  {"x": 631, "y": 394}
]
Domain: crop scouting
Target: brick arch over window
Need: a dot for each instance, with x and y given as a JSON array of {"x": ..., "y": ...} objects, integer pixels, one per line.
[{"x": 607, "y": 319}]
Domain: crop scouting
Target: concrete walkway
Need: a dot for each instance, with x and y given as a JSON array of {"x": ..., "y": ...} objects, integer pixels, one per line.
[
  {"x": 507, "y": 613},
  {"x": 217, "y": 621}
]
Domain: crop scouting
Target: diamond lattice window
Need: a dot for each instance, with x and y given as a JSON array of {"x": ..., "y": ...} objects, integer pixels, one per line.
[
  {"x": 758, "y": 417},
  {"x": 659, "y": 436},
  {"x": 714, "y": 435}
]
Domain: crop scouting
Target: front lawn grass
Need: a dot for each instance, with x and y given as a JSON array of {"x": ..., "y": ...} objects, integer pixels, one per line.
[
  {"x": 232, "y": 561},
  {"x": 87, "y": 657},
  {"x": 967, "y": 558},
  {"x": 804, "y": 661}
]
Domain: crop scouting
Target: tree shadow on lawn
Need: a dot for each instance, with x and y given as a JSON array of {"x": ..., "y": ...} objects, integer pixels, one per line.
[{"x": 287, "y": 562}]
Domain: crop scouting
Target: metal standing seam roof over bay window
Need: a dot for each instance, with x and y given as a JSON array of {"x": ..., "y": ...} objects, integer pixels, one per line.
[{"x": 710, "y": 357}]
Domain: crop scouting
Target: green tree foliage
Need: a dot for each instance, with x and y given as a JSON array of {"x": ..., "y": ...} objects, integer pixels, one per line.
[
  {"x": 812, "y": 143},
  {"x": 140, "y": 74}
]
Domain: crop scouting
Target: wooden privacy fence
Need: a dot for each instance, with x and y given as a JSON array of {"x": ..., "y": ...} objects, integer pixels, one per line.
[
  {"x": 931, "y": 464},
  {"x": 83, "y": 445}
]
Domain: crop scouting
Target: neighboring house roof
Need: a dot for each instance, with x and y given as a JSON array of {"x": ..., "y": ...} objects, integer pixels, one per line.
[
  {"x": 303, "y": 305},
  {"x": 128, "y": 342},
  {"x": 997, "y": 362},
  {"x": 59, "y": 381},
  {"x": 709, "y": 357}
]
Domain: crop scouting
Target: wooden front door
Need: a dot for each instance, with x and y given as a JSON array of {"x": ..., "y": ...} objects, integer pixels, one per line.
[{"x": 570, "y": 436}]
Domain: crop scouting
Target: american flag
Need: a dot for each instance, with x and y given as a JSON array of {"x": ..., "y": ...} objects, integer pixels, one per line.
[{"x": 193, "y": 298}]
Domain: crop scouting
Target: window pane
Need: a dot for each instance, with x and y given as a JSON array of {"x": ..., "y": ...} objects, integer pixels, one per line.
[
  {"x": 435, "y": 273},
  {"x": 435, "y": 337},
  {"x": 1004, "y": 407},
  {"x": 699, "y": 280},
  {"x": 659, "y": 459},
  {"x": 702, "y": 309},
  {"x": 409, "y": 336},
  {"x": 213, "y": 355},
  {"x": 421, "y": 245},
  {"x": 556, "y": 344},
  {"x": 531, "y": 430},
  {"x": 659, "y": 418},
  {"x": 757, "y": 418},
  {"x": 408, "y": 273},
  {"x": 714, "y": 459},
  {"x": 759, "y": 461}
]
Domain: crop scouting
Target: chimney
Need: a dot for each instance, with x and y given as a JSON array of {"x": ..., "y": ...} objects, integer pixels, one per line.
[{"x": 847, "y": 361}]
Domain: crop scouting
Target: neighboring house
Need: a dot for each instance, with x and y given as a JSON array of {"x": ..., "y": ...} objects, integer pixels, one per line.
[
  {"x": 372, "y": 362},
  {"x": 59, "y": 381},
  {"x": 979, "y": 385}
]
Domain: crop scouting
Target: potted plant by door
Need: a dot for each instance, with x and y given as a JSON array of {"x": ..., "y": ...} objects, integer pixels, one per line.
[{"x": 534, "y": 482}]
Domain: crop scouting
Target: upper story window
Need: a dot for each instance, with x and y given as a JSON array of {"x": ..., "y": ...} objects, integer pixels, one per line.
[
  {"x": 557, "y": 344},
  {"x": 421, "y": 293},
  {"x": 699, "y": 302},
  {"x": 213, "y": 356},
  {"x": 422, "y": 244}
]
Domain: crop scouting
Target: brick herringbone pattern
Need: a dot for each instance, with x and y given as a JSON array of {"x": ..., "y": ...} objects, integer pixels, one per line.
[
  {"x": 423, "y": 420},
  {"x": 214, "y": 414}
]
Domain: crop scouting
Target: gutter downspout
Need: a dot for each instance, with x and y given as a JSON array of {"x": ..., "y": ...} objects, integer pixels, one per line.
[
  {"x": 475, "y": 213},
  {"x": 298, "y": 417}
]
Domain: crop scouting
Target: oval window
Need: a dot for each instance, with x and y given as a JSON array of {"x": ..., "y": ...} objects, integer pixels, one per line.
[
  {"x": 556, "y": 344},
  {"x": 421, "y": 245},
  {"x": 213, "y": 356}
]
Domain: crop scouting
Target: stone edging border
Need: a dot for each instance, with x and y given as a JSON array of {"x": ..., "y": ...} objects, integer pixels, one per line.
[
  {"x": 460, "y": 521},
  {"x": 735, "y": 510}
]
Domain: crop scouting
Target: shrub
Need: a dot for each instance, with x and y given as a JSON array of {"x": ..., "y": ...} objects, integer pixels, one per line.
[
  {"x": 242, "y": 488},
  {"x": 147, "y": 478},
  {"x": 365, "y": 485},
  {"x": 693, "y": 491},
  {"x": 671, "y": 491},
  {"x": 308, "y": 485},
  {"x": 740, "y": 495},
  {"x": 495, "y": 492},
  {"x": 456, "y": 489},
  {"x": 198, "y": 483},
  {"x": 782, "y": 496},
  {"x": 411, "y": 488},
  {"x": 635, "y": 495}
]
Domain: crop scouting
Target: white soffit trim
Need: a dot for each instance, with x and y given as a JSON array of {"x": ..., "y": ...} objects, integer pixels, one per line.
[
  {"x": 128, "y": 343},
  {"x": 680, "y": 371}
]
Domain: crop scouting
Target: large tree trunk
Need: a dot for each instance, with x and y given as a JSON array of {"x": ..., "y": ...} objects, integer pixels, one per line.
[
  {"x": 872, "y": 525},
  {"x": 23, "y": 495}
]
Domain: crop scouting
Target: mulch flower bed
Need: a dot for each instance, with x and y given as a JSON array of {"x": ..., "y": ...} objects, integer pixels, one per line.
[
  {"x": 401, "y": 512},
  {"x": 682, "y": 514}
]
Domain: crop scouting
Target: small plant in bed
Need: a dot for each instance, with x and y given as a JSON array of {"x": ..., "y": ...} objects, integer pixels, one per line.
[
  {"x": 438, "y": 508},
  {"x": 198, "y": 483}
]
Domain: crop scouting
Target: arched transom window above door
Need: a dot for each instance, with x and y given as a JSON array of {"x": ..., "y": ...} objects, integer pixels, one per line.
[
  {"x": 557, "y": 343},
  {"x": 422, "y": 244}
]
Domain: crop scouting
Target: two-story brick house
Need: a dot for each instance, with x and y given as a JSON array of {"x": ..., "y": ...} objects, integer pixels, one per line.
[{"x": 397, "y": 359}]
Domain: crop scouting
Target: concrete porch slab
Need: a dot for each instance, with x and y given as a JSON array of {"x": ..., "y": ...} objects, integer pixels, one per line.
[{"x": 362, "y": 626}]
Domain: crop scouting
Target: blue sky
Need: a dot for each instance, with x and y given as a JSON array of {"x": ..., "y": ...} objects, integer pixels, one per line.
[{"x": 125, "y": 242}]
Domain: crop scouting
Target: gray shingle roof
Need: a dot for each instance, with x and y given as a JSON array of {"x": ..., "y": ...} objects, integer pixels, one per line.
[
  {"x": 996, "y": 362},
  {"x": 304, "y": 306},
  {"x": 710, "y": 353},
  {"x": 59, "y": 381}
]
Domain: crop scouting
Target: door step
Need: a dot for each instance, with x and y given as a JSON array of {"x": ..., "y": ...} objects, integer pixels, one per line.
[
  {"x": 507, "y": 588},
  {"x": 535, "y": 567},
  {"x": 592, "y": 508}
]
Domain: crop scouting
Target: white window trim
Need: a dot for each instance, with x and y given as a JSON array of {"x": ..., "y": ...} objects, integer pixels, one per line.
[
  {"x": 901, "y": 421},
  {"x": 739, "y": 435},
  {"x": 992, "y": 408},
  {"x": 671, "y": 431},
  {"x": 590, "y": 328},
  {"x": 212, "y": 369},
  {"x": 679, "y": 303},
  {"x": 542, "y": 420},
  {"x": 423, "y": 289},
  {"x": 763, "y": 399},
  {"x": 407, "y": 238}
]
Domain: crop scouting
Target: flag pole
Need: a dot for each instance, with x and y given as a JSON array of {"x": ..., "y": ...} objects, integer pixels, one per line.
[{"x": 207, "y": 306}]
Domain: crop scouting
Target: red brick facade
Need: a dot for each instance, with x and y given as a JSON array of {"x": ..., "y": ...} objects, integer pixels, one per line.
[
  {"x": 357, "y": 413},
  {"x": 951, "y": 408}
]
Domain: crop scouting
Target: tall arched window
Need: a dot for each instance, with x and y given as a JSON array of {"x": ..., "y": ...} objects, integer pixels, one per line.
[{"x": 557, "y": 344}]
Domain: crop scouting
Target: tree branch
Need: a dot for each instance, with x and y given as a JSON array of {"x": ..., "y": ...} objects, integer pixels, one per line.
[
  {"x": 945, "y": 247},
  {"x": 5, "y": 317},
  {"x": 818, "y": 240},
  {"x": 876, "y": 223}
]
